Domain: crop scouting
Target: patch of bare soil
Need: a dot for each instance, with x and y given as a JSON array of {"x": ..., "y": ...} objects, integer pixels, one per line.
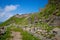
[{"x": 16, "y": 35}]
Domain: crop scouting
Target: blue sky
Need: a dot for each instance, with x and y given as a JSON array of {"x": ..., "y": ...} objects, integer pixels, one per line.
[{"x": 9, "y": 8}]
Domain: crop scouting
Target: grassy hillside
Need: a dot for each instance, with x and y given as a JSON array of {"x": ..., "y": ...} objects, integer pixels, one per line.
[{"x": 42, "y": 19}]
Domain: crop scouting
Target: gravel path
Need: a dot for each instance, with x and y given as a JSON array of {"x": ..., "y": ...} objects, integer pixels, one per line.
[{"x": 16, "y": 36}]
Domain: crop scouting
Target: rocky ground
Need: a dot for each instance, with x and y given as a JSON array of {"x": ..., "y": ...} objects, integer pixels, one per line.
[{"x": 54, "y": 34}]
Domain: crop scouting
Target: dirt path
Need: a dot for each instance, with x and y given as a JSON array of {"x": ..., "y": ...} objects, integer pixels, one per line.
[{"x": 16, "y": 36}]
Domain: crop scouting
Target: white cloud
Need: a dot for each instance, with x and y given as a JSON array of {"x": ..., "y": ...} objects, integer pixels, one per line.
[
  {"x": 11, "y": 7},
  {"x": 6, "y": 11}
]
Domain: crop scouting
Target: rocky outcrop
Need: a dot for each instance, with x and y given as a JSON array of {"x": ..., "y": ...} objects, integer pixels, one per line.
[
  {"x": 55, "y": 21},
  {"x": 56, "y": 32},
  {"x": 2, "y": 30},
  {"x": 36, "y": 19}
]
